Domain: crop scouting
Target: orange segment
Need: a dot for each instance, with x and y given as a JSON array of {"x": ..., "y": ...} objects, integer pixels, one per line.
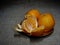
[{"x": 29, "y": 24}]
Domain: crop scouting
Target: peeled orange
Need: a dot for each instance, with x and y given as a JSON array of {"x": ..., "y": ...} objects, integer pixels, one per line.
[{"x": 33, "y": 27}]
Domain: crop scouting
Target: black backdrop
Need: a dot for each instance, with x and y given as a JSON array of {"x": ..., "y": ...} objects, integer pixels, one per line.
[{"x": 12, "y": 12}]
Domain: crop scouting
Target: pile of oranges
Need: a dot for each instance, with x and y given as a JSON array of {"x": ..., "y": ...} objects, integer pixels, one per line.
[{"x": 36, "y": 24}]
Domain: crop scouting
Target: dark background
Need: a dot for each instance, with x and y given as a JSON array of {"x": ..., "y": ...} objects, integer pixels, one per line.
[{"x": 12, "y": 12}]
